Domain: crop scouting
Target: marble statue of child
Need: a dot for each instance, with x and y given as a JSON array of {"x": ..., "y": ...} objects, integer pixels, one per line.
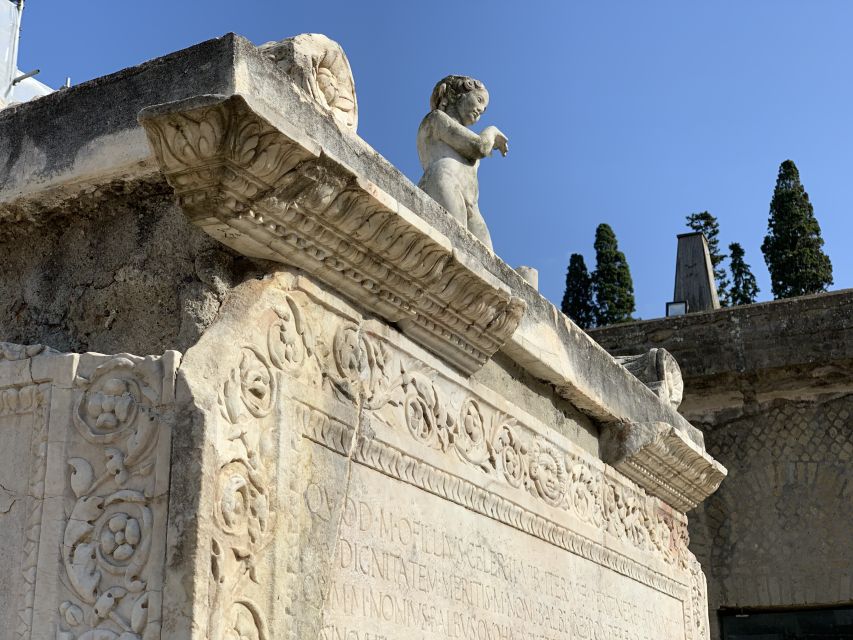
[{"x": 450, "y": 152}]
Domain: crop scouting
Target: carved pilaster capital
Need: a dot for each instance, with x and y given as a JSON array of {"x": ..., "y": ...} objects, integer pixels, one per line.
[{"x": 266, "y": 194}]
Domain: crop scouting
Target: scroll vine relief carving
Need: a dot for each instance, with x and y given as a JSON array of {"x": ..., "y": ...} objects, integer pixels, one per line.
[
  {"x": 244, "y": 508},
  {"x": 406, "y": 394},
  {"x": 17, "y": 401},
  {"x": 401, "y": 391},
  {"x": 107, "y": 541}
]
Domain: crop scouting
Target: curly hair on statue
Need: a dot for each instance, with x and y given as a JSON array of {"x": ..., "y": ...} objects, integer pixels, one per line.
[{"x": 450, "y": 89}]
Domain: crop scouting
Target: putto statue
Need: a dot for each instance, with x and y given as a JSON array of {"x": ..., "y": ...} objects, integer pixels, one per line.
[{"x": 450, "y": 152}]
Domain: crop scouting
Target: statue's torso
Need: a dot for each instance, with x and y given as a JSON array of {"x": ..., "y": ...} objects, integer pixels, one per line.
[{"x": 442, "y": 162}]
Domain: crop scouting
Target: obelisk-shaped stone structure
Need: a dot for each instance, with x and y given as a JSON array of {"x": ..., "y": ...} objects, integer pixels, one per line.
[{"x": 694, "y": 274}]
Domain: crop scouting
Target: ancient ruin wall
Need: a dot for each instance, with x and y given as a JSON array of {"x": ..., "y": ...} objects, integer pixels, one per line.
[
  {"x": 771, "y": 386},
  {"x": 114, "y": 269},
  {"x": 774, "y": 534}
]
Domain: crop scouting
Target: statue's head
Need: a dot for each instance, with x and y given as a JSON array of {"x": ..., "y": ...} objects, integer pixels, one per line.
[{"x": 461, "y": 97}]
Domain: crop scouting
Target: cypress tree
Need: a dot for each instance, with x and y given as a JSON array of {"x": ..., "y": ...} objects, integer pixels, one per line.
[
  {"x": 793, "y": 245},
  {"x": 611, "y": 281},
  {"x": 743, "y": 289},
  {"x": 708, "y": 225},
  {"x": 577, "y": 300}
]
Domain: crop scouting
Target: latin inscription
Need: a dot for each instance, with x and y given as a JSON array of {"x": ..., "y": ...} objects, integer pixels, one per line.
[{"x": 409, "y": 565}]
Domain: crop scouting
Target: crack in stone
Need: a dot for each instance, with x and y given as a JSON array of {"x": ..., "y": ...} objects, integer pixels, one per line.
[
  {"x": 6, "y": 495},
  {"x": 355, "y": 436}
]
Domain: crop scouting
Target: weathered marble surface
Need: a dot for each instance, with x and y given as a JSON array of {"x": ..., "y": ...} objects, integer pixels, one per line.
[
  {"x": 400, "y": 498},
  {"x": 320, "y": 68},
  {"x": 68, "y": 151},
  {"x": 85, "y": 442},
  {"x": 361, "y": 374},
  {"x": 659, "y": 371}
]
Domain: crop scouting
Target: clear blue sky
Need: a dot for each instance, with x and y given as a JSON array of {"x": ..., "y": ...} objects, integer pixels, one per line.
[{"x": 630, "y": 113}]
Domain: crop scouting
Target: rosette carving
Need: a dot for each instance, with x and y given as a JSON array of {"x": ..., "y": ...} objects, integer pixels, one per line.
[
  {"x": 511, "y": 454},
  {"x": 250, "y": 387},
  {"x": 242, "y": 505},
  {"x": 469, "y": 436},
  {"x": 107, "y": 534},
  {"x": 108, "y": 537},
  {"x": 257, "y": 383},
  {"x": 117, "y": 406}
]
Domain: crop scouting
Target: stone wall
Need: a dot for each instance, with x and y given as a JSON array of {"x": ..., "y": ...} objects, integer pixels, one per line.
[
  {"x": 774, "y": 533},
  {"x": 770, "y": 385},
  {"x": 114, "y": 269}
]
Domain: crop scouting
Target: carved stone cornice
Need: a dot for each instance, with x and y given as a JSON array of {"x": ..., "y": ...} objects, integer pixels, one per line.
[
  {"x": 269, "y": 195},
  {"x": 659, "y": 458}
]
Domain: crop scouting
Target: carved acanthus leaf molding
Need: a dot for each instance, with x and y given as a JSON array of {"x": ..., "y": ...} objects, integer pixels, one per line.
[
  {"x": 659, "y": 458},
  {"x": 267, "y": 195}
]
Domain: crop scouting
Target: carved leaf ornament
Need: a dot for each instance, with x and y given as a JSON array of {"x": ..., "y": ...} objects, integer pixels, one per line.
[
  {"x": 108, "y": 535},
  {"x": 244, "y": 507},
  {"x": 320, "y": 69}
]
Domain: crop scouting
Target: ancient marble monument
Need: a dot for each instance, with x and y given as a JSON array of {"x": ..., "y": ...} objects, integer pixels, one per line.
[
  {"x": 254, "y": 384},
  {"x": 450, "y": 154}
]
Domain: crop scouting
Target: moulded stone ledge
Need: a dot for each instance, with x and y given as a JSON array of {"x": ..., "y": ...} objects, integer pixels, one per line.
[
  {"x": 276, "y": 196},
  {"x": 663, "y": 461}
]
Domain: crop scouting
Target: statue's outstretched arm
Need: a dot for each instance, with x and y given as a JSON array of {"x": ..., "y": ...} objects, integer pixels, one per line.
[{"x": 467, "y": 143}]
